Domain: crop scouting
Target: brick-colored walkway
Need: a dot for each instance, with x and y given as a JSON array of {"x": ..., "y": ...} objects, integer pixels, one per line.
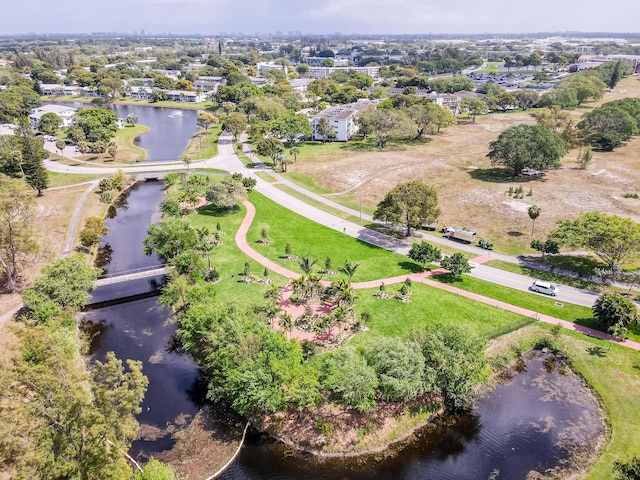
[{"x": 422, "y": 277}]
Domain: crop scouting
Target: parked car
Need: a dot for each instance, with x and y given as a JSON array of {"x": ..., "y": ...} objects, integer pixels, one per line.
[{"x": 544, "y": 287}]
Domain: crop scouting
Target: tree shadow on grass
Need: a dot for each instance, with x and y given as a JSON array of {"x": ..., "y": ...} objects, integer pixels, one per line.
[
  {"x": 411, "y": 267},
  {"x": 448, "y": 278},
  {"x": 371, "y": 146},
  {"x": 502, "y": 175},
  {"x": 590, "y": 323},
  {"x": 211, "y": 211},
  {"x": 494, "y": 175},
  {"x": 597, "y": 352}
]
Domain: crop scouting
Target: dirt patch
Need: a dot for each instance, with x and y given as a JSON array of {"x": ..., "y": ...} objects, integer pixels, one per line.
[{"x": 474, "y": 194}]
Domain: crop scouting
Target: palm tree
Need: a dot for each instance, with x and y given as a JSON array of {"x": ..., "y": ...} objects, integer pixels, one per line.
[
  {"x": 273, "y": 293},
  {"x": 534, "y": 212},
  {"x": 306, "y": 263},
  {"x": 286, "y": 322},
  {"x": 617, "y": 331},
  {"x": 205, "y": 245},
  {"x": 82, "y": 148},
  {"x": 342, "y": 293},
  {"x": 349, "y": 269},
  {"x": 294, "y": 151},
  {"x": 60, "y": 144}
]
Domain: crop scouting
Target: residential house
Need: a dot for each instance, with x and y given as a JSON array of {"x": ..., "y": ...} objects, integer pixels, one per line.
[
  {"x": 325, "y": 72},
  {"x": 56, "y": 89},
  {"x": 67, "y": 114},
  {"x": 185, "y": 96},
  {"x": 141, "y": 93}
]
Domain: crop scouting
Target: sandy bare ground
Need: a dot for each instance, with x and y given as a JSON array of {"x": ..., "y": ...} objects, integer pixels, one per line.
[{"x": 470, "y": 193}]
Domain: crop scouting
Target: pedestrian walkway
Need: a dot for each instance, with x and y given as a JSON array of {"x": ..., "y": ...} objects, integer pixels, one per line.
[{"x": 422, "y": 277}]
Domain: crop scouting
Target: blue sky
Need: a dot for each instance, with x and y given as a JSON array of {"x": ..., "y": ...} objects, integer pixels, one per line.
[{"x": 320, "y": 16}]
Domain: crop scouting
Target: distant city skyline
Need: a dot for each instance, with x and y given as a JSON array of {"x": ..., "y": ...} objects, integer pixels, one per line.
[{"x": 327, "y": 17}]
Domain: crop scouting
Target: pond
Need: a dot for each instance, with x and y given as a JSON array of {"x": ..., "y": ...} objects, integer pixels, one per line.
[{"x": 169, "y": 132}]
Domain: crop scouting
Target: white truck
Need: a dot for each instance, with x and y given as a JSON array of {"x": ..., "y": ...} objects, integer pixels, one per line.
[{"x": 460, "y": 233}]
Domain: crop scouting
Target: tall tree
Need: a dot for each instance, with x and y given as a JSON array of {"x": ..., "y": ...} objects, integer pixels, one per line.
[
  {"x": 59, "y": 420},
  {"x": 63, "y": 287},
  {"x": 132, "y": 119},
  {"x": 424, "y": 253},
  {"x": 526, "y": 146},
  {"x": 49, "y": 123},
  {"x": 270, "y": 147},
  {"x": 226, "y": 194},
  {"x": 607, "y": 127},
  {"x": 349, "y": 269},
  {"x": 17, "y": 240},
  {"x": 234, "y": 123},
  {"x": 290, "y": 127},
  {"x": 473, "y": 107},
  {"x": 457, "y": 264},
  {"x": 385, "y": 124},
  {"x": 98, "y": 123},
  {"x": 614, "y": 239},
  {"x": 33, "y": 155},
  {"x": 411, "y": 204},
  {"x": 206, "y": 119}
]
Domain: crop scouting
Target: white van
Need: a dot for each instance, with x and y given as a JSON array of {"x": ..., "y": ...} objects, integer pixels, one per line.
[{"x": 544, "y": 287}]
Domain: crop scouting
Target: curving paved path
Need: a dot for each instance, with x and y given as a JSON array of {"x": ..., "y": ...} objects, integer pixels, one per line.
[{"x": 422, "y": 277}]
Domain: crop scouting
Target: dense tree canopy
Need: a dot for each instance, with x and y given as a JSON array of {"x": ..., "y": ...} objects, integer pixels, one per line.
[
  {"x": 606, "y": 127},
  {"x": 411, "y": 204},
  {"x": 614, "y": 239},
  {"x": 527, "y": 146},
  {"x": 226, "y": 193},
  {"x": 97, "y": 123},
  {"x": 614, "y": 308},
  {"x": 63, "y": 287}
]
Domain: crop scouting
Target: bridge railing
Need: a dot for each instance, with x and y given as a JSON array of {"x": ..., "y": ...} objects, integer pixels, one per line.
[{"x": 122, "y": 273}]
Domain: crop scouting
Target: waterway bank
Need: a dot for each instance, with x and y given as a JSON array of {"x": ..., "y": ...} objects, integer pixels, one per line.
[{"x": 539, "y": 423}]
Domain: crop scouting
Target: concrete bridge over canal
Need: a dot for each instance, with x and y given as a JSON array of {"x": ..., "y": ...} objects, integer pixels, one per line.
[{"x": 135, "y": 274}]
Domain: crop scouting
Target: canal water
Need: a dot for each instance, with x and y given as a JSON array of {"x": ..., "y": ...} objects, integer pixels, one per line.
[
  {"x": 533, "y": 422},
  {"x": 169, "y": 133},
  {"x": 142, "y": 330}
]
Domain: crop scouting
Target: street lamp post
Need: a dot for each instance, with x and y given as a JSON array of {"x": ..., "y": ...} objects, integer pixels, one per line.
[{"x": 361, "y": 193}]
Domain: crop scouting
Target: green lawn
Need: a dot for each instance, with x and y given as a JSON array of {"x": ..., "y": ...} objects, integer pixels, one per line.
[
  {"x": 229, "y": 260},
  {"x": 125, "y": 138},
  {"x": 542, "y": 275},
  {"x": 204, "y": 144},
  {"x": 63, "y": 179},
  {"x": 307, "y": 236},
  {"x": 430, "y": 307}
]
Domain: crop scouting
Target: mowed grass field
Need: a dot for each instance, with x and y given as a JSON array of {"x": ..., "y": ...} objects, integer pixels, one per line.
[
  {"x": 305, "y": 236},
  {"x": 471, "y": 191}
]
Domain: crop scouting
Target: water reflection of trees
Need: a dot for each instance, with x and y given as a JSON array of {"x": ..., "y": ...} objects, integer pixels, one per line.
[
  {"x": 452, "y": 435},
  {"x": 103, "y": 257},
  {"x": 121, "y": 202}
]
